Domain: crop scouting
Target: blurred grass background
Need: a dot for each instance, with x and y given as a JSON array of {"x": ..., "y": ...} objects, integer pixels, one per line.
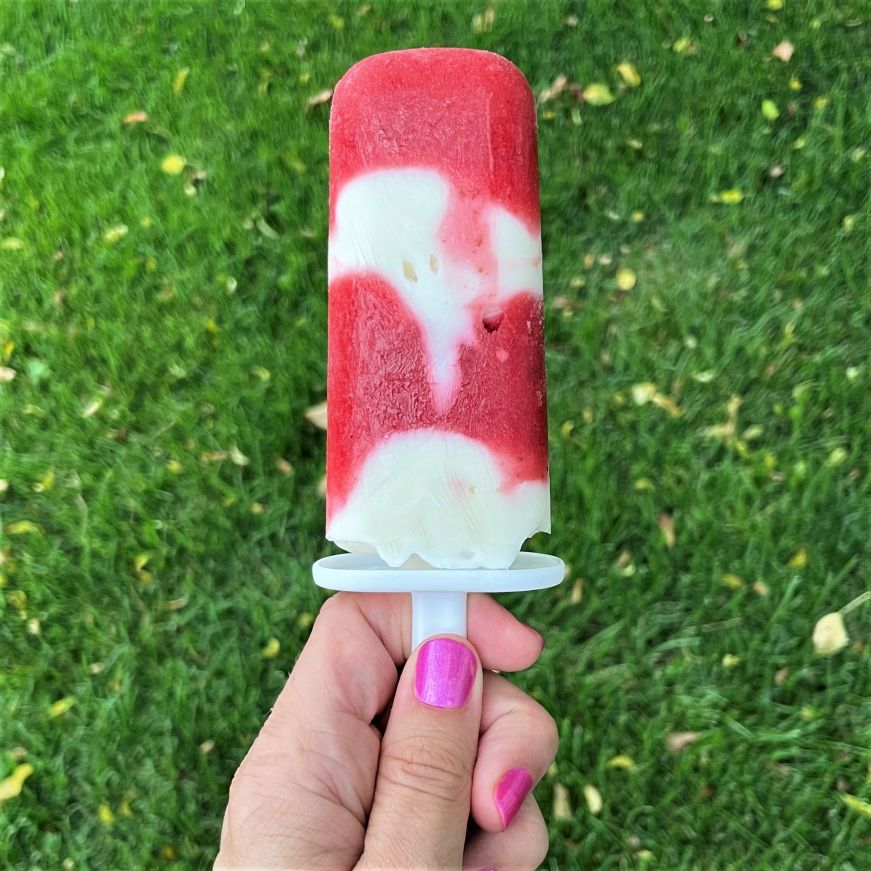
[{"x": 163, "y": 231}]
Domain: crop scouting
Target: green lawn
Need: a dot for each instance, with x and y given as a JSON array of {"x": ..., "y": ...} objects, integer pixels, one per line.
[{"x": 160, "y": 503}]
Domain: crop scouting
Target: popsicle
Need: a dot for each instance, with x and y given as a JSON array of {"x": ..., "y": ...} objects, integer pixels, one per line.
[{"x": 437, "y": 425}]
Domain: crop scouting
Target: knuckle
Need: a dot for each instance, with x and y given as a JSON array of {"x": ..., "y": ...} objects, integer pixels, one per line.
[
  {"x": 427, "y": 767},
  {"x": 543, "y": 727}
]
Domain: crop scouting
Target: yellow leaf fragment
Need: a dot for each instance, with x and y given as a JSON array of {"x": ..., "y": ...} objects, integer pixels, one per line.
[
  {"x": 317, "y": 415},
  {"x": 830, "y": 634},
  {"x": 637, "y": 216},
  {"x": 10, "y": 787},
  {"x": 621, "y": 761},
  {"x": 629, "y": 74},
  {"x": 730, "y": 660},
  {"x": 783, "y": 51},
  {"x": 45, "y": 483},
  {"x": 730, "y": 197},
  {"x": 642, "y": 393},
  {"x": 774, "y": 4},
  {"x": 23, "y": 527},
  {"x": 795, "y": 83},
  {"x": 61, "y": 706},
  {"x": 484, "y": 21},
  {"x": 237, "y": 457},
  {"x": 173, "y": 164},
  {"x": 179, "y": 80},
  {"x": 138, "y": 117},
  {"x": 10, "y": 243},
  {"x": 857, "y": 804},
  {"x": 305, "y": 620},
  {"x": 626, "y": 278},
  {"x": 836, "y": 457},
  {"x": 105, "y": 815},
  {"x": 271, "y": 648},
  {"x": 769, "y": 109},
  {"x": 113, "y": 234},
  {"x": 733, "y": 582},
  {"x": 594, "y": 799},
  {"x": 761, "y": 588},
  {"x": 684, "y": 45},
  {"x": 577, "y": 592},
  {"x": 666, "y": 403},
  {"x": 175, "y": 467},
  {"x": 597, "y": 94},
  {"x": 92, "y": 408},
  {"x": 666, "y": 527},
  {"x": 799, "y": 559},
  {"x": 562, "y": 807}
]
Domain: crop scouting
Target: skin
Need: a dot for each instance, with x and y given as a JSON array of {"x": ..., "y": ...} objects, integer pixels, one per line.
[{"x": 352, "y": 770}]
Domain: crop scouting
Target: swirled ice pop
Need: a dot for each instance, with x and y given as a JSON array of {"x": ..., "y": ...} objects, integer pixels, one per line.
[{"x": 437, "y": 425}]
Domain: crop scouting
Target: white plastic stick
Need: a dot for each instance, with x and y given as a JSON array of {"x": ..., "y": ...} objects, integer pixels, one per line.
[{"x": 440, "y": 613}]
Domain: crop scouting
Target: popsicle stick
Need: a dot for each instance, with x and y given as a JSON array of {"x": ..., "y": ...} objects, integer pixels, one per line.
[{"x": 442, "y": 613}]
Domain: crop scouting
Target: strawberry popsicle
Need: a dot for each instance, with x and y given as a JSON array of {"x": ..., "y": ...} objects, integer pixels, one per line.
[{"x": 437, "y": 425}]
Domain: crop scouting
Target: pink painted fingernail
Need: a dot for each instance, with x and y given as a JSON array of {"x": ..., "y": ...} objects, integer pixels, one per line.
[
  {"x": 445, "y": 673},
  {"x": 510, "y": 792}
]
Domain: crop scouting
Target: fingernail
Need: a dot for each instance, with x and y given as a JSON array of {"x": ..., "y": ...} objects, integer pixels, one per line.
[
  {"x": 445, "y": 673},
  {"x": 510, "y": 792}
]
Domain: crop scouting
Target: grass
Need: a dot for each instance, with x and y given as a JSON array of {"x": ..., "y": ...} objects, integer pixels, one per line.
[{"x": 145, "y": 581}]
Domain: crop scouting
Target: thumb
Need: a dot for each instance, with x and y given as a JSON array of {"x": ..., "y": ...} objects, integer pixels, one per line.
[{"x": 420, "y": 810}]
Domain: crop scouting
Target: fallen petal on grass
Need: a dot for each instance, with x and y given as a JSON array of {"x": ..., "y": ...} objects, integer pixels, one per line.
[
  {"x": 830, "y": 634},
  {"x": 319, "y": 98},
  {"x": 317, "y": 415},
  {"x": 594, "y": 799},
  {"x": 783, "y": 51},
  {"x": 678, "y": 741},
  {"x": 562, "y": 808},
  {"x": 135, "y": 118}
]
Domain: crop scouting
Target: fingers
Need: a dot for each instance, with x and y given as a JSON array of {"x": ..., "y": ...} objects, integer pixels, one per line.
[
  {"x": 518, "y": 743},
  {"x": 357, "y": 641},
  {"x": 523, "y": 847},
  {"x": 422, "y": 794},
  {"x": 502, "y": 641}
]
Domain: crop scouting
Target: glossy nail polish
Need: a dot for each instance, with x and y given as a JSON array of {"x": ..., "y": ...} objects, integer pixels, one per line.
[
  {"x": 510, "y": 792},
  {"x": 445, "y": 673}
]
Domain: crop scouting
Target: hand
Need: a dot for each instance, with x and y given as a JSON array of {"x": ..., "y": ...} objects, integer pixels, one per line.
[{"x": 322, "y": 787}]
